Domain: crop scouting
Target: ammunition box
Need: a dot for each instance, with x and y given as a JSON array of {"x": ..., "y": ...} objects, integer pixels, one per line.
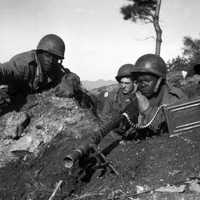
[{"x": 183, "y": 117}]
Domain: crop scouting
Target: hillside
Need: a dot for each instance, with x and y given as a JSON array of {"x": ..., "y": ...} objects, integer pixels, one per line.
[{"x": 89, "y": 85}]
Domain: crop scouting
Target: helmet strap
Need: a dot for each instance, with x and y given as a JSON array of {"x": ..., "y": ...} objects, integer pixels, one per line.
[{"x": 157, "y": 86}]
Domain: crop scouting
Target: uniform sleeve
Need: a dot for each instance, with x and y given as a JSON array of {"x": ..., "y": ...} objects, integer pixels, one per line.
[
  {"x": 12, "y": 71},
  {"x": 154, "y": 115},
  {"x": 6, "y": 72},
  {"x": 7, "y": 75}
]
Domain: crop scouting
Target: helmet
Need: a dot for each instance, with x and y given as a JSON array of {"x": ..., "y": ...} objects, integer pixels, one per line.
[
  {"x": 52, "y": 44},
  {"x": 124, "y": 71},
  {"x": 151, "y": 63}
]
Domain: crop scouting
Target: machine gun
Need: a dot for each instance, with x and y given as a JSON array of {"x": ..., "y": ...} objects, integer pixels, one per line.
[{"x": 89, "y": 157}]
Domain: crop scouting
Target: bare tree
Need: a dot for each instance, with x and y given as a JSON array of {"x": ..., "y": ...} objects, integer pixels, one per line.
[{"x": 147, "y": 11}]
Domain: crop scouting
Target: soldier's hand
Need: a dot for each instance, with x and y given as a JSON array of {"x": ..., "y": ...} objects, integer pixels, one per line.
[
  {"x": 130, "y": 134},
  {"x": 59, "y": 92},
  {"x": 143, "y": 102},
  {"x": 121, "y": 129}
]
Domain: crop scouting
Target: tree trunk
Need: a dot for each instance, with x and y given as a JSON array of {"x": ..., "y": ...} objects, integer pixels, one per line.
[{"x": 157, "y": 28}]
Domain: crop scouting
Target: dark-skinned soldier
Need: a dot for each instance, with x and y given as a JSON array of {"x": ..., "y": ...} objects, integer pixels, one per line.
[
  {"x": 119, "y": 98},
  {"x": 33, "y": 71},
  {"x": 153, "y": 92}
]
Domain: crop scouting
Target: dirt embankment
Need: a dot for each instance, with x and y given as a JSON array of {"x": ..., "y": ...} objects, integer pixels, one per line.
[
  {"x": 33, "y": 169},
  {"x": 31, "y": 153}
]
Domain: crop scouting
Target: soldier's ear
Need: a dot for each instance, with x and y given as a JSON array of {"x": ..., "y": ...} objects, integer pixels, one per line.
[{"x": 157, "y": 86}]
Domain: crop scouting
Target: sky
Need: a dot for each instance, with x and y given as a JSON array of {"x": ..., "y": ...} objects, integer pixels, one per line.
[{"x": 98, "y": 40}]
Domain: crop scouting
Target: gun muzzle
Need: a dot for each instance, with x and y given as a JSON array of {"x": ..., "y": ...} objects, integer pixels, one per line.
[
  {"x": 77, "y": 154},
  {"x": 70, "y": 159}
]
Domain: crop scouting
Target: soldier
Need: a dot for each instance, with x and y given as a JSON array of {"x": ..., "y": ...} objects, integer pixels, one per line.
[
  {"x": 33, "y": 71},
  {"x": 119, "y": 98},
  {"x": 153, "y": 91}
]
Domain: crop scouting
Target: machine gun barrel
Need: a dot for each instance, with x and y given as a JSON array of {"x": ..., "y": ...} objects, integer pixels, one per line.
[
  {"x": 77, "y": 154},
  {"x": 89, "y": 146}
]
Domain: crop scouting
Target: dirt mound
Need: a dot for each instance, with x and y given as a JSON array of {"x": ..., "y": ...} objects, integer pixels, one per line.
[{"x": 29, "y": 159}]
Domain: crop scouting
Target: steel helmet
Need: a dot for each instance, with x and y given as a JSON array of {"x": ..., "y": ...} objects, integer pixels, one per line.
[
  {"x": 124, "y": 71},
  {"x": 52, "y": 44},
  {"x": 151, "y": 63}
]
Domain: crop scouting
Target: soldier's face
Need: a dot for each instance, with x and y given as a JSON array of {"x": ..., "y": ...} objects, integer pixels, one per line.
[
  {"x": 146, "y": 84},
  {"x": 47, "y": 61},
  {"x": 126, "y": 85}
]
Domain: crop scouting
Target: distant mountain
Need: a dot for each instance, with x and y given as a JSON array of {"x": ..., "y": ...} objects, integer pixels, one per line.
[{"x": 89, "y": 85}]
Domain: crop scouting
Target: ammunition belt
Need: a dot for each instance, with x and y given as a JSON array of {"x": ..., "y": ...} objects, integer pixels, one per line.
[{"x": 137, "y": 126}]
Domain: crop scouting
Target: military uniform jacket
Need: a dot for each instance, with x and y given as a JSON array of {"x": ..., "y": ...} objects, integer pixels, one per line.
[
  {"x": 23, "y": 73},
  {"x": 116, "y": 101}
]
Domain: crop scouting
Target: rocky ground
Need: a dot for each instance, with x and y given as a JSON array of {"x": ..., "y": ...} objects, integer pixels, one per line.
[
  {"x": 28, "y": 136},
  {"x": 34, "y": 142}
]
